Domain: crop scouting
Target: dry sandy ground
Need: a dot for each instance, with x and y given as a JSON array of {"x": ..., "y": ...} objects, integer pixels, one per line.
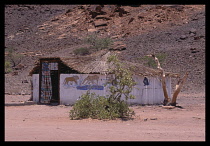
[{"x": 151, "y": 123}]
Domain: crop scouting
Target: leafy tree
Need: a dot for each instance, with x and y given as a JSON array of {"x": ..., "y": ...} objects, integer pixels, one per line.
[
  {"x": 148, "y": 61},
  {"x": 13, "y": 57},
  {"x": 123, "y": 80}
]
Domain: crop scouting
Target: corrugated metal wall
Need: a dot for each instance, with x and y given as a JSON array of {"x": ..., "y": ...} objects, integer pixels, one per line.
[
  {"x": 145, "y": 94},
  {"x": 149, "y": 94},
  {"x": 70, "y": 90}
]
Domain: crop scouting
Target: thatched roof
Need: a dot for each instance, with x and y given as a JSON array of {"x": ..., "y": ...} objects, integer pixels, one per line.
[{"x": 97, "y": 63}]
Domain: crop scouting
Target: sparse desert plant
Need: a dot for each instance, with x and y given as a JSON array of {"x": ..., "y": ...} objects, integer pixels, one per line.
[
  {"x": 7, "y": 67},
  {"x": 97, "y": 42},
  {"x": 13, "y": 57},
  {"x": 103, "y": 43},
  {"x": 81, "y": 51}
]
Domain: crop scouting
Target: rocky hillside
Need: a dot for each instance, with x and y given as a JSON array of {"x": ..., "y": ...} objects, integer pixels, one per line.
[{"x": 56, "y": 30}]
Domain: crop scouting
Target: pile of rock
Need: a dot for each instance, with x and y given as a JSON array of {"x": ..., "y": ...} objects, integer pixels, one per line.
[{"x": 101, "y": 15}]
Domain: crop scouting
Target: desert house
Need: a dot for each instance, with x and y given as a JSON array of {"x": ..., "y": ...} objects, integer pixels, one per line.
[{"x": 63, "y": 80}]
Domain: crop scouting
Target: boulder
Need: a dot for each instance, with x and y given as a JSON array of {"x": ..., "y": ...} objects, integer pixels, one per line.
[
  {"x": 131, "y": 20},
  {"x": 118, "y": 45},
  {"x": 99, "y": 23},
  {"x": 99, "y": 8},
  {"x": 105, "y": 17},
  {"x": 96, "y": 12},
  {"x": 183, "y": 37},
  {"x": 194, "y": 50},
  {"x": 19, "y": 67},
  {"x": 115, "y": 36},
  {"x": 198, "y": 37},
  {"x": 140, "y": 17},
  {"x": 24, "y": 81},
  {"x": 14, "y": 73},
  {"x": 120, "y": 10},
  {"x": 193, "y": 30},
  {"x": 92, "y": 30}
]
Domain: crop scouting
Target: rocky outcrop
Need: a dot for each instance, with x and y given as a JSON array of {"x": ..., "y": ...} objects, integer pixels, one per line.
[
  {"x": 99, "y": 23},
  {"x": 56, "y": 30},
  {"x": 118, "y": 46}
]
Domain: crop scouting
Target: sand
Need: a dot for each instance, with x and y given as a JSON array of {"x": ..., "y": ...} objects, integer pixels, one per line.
[{"x": 151, "y": 123}]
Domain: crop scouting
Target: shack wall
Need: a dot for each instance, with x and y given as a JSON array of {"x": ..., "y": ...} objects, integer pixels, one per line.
[
  {"x": 149, "y": 93},
  {"x": 72, "y": 86},
  {"x": 35, "y": 79}
]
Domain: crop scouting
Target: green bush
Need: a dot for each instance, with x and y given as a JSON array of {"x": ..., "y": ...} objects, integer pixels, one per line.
[
  {"x": 99, "y": 107},
  {"x": 82, "y": 107},
  {"x": 13, "y": 57},
  {"x": 98, "y": 43},
  {"x": 7, "y": 67},
  {"x": 81, "y": 51},
  {"x": 103, "y": 43},
  {"x": 112, "y": 107}
]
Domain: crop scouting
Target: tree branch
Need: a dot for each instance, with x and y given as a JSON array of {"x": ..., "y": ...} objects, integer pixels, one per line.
[{"x": 179, "y": 85}]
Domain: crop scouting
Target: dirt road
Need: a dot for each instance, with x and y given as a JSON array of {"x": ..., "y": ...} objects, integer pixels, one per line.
[{"x": 151, "y": 123}]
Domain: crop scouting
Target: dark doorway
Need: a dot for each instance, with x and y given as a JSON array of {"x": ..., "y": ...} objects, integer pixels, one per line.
[{"x": 55, "y": 84}]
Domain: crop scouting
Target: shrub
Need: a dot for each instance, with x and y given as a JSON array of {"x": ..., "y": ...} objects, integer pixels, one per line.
[
  {"x": 81, "y": 51},
  {"x": 13, "y": 57},
  {"x": 98, "y": 43},
  {"x": 83, "y": 107},
  {"x": 7, "y": 67},
  {"x": 99, "y": 107},
  {"x": 112, "y": 107},
  {"x": 103, "y": 43}
]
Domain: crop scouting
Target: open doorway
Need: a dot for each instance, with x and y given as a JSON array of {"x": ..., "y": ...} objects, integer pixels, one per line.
[{"x": 55, "y": 84}]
